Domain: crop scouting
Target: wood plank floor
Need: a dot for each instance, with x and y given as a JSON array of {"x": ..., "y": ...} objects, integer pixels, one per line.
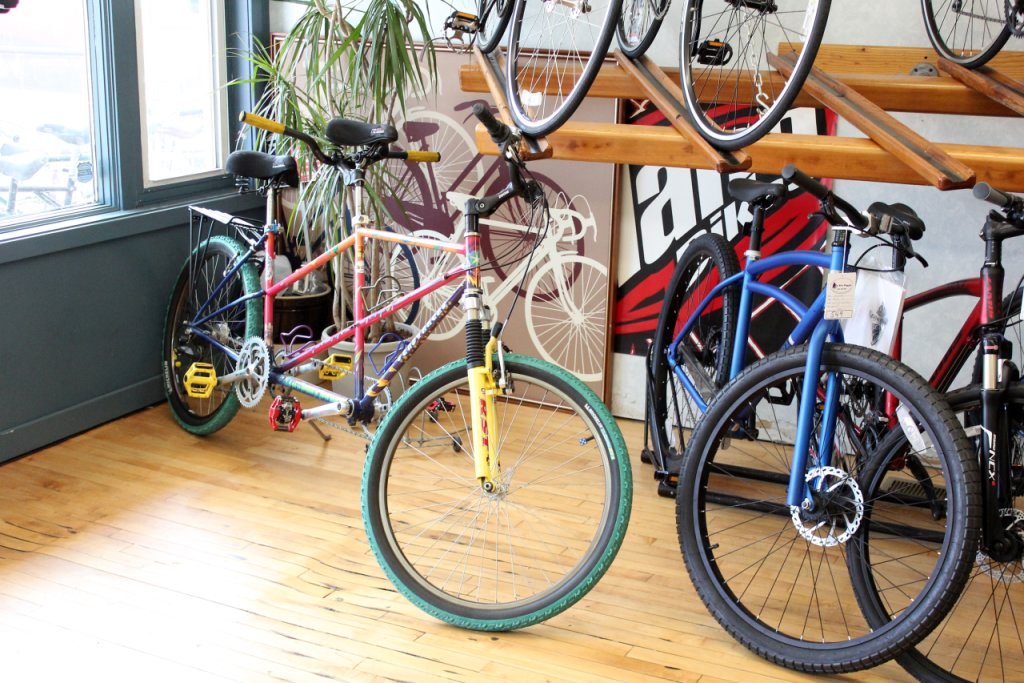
[{"x": 136, "y": 552}]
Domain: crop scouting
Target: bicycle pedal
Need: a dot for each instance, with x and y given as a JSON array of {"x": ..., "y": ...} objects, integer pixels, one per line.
[
  {"x": 200, "y": 379},
  {"x": 285, "y": 414},
  {"x": 666, "y": 489},
  {"x": 336, "y": 366}
]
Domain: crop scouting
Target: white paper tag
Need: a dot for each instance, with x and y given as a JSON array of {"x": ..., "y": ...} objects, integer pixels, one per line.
[
  {"x": 839, "y": 295},
  {"x": 876, "y": 315}
]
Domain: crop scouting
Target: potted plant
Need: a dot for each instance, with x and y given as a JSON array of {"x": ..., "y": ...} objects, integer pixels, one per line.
[{"x": 342, "y": 59}]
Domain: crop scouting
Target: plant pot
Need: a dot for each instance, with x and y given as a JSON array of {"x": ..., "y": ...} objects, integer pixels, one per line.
[
  {"x": 376, "y": 357},
  {"x": 292, "y": 309}
]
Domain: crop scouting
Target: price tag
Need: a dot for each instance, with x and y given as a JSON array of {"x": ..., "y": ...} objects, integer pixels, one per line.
[{"x": 839, "y": 295}]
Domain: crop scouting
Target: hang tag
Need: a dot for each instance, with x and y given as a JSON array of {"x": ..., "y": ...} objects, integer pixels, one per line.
[{"x": 839, "y": 295}]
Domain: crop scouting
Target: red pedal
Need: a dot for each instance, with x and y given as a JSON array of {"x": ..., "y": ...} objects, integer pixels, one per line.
[{"x": 285, "y": 414}]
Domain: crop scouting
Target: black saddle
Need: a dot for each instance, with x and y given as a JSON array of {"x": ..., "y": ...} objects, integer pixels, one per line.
[
  {"x": 349, "y": 133},
  {"x": 263, "y": 166},
  {"x": 898, "y": 214},
  {"x": 755, "y": 191}
]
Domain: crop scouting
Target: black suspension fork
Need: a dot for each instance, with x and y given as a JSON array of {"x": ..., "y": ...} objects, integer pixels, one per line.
[{"x": 994, "y": 453}]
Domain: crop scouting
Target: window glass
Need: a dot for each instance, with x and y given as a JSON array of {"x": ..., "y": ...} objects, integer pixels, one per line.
[
  {"x": 46, "y": 127},
  {"x": 181, "y": 73}
]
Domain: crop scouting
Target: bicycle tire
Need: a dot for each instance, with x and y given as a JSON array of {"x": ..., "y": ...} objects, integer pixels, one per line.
[
  {"x": 767, "y": 572},
  {"x": 969, "y": 38},
  {"x": 979, "y": 639},
  {"x": 708, "y": 260},
  {"x": 720, "y": 102},
  {"x": 198, "y": 279},
  {"x": 407, "y": 276},
  {"x": 427, "y": 435},
  {"x": 552, "y": 47},
  {"x": 493, "y": 16},
  {"x": 638, "y": 25}
]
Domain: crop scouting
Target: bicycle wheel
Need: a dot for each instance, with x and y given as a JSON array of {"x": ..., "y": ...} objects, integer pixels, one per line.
[
  {"x": 705, "y": 354},
  {"x": 566, "y": 312},
  {"x": 732, "y": 96},
  {"x": 638, "y": 25},
  {"x": 493, "y": 16},
  {"x": 555, "y": 50},
  {"x": 776, "y": 577},
  {"x": 407, "y": 278},
  {"x": 967, "y": 32},
  {"x": 504, "y": 560},
  {"x": 201, "y": 290},
  {"x": 980, "y": 638}
]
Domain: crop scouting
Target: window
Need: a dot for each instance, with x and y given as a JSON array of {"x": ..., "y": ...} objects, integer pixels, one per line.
[
  {"x": 46, "y": 126},
  {"x": 112, "y": 105},
  {"x": 181, "y": 76}
]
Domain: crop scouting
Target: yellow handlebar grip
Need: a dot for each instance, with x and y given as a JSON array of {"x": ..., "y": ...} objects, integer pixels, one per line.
[
  {"x": 423, "y": 157},
  {"x": 260, "y": 122}
]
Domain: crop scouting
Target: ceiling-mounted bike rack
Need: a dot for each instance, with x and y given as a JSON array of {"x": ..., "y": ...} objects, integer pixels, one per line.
[{"x": 862, "y": 84}]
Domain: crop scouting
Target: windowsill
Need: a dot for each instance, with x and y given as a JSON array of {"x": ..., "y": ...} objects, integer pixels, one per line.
[{"x": 101, "y": 225}]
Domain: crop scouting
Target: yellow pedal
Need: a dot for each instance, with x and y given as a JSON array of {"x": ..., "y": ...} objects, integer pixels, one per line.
[
  {"x": 336, "y": 366},
  {"x": 200, "y": 379}
]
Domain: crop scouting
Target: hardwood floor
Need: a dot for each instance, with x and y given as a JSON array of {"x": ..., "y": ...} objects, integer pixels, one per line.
[{"x": 136, "y": 552}]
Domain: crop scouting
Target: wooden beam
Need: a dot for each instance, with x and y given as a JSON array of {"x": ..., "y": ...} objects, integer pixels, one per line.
[
  {"x": 666, "y": 95},
  {"x": 989, "y": 82},
  {"x": 821, "y": 156},
  {"x": 891, "y": 88},
  {"x": 928, "y": 159}
]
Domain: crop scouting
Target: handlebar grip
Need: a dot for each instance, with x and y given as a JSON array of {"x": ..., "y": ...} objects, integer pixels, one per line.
[
  {"x": 987, "y": 193},
  {"x": 792, "y": 174},
  {"x": 422, "y": 157},
  {"x": 499, "y": 132},
  {"x": 260, "y": 122}
]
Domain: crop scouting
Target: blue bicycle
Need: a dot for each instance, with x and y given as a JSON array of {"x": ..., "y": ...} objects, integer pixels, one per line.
[{"x": 791, "y": 467}]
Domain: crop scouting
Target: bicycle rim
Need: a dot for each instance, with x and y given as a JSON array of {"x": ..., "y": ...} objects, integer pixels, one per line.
[
  {"x": 202, "y": 280},
  {"x": 516, "y": 557},
  {"x": 493, "y": 16},
  {"x": 554, "y": 53},
  {"x": 733, "y": 96},
  {"x": 638, "y": 25},
  {"x": 968, "y": 32},
  {"x": 980, "y": 638},
  {"x": 777, "y": 579},
  {"x": 705, "y": 352}
]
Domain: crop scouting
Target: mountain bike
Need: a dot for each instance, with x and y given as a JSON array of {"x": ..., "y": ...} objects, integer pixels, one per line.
[
  {"x": 971, "y": 32},
  {"x": 469, "y": 474},
  {"x": 790, "y": 471},
  {"x": 980, "y": 639}
]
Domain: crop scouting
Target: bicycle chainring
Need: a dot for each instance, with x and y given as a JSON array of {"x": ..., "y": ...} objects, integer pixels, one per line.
[
  {"x": 254, "y": 361},
  {"x": 838, "y": 508},
  {"x": 1015, "y": 17}
]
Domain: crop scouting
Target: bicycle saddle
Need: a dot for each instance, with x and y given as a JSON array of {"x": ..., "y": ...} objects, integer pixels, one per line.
[
  {"x": 349, "y": 133},
  {"x": 899, "y": 215},
  {"x": 755, "y": 191},
  {"x": 263, "y": 166}
]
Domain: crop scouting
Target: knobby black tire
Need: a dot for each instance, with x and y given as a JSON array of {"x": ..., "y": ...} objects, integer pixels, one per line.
[
  {"x": 638, "y": 25},
  {"x": 670, "y": 402},
  {"x": 768, "y": 31},
  {"x": 432, "y": 527},
  {"x": 737, "y": 486},
  {"x": 980, "y": 637},
  {"x": 531, "y": 70},
  {"x": 968, "y": 33},
  {"x": 199, "y": 276}
]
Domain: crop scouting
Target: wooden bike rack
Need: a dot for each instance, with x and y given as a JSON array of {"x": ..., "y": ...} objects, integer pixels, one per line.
[{"x": 862, "y": 84}]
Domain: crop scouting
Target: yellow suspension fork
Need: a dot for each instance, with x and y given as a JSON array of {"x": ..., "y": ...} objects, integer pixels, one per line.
[{"x": 482, "y": 390}]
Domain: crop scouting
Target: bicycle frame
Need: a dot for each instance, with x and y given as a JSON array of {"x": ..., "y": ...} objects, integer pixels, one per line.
[{"x": 812, "y": 328}]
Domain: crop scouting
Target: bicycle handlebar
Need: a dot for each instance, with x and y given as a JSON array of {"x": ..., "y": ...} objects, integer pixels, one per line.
[
  {"x": 792, "y": 174},
  {"x": 499, "y": 132},
  {"x": 987, "y": 193}
]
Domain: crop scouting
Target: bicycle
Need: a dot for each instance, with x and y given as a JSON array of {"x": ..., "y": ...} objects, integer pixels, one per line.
[
  {"x": 783, "y": 475},
  {"x": 436, "y": 505},
  {"x": 980, "y": 638},
  {"x": 972, "y": 32}
]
